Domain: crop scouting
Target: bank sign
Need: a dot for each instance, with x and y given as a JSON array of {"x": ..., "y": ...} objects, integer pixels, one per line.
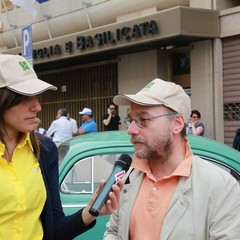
[
  {"x": 164, "y": 27},
  {"x": 99, "y": 40}
]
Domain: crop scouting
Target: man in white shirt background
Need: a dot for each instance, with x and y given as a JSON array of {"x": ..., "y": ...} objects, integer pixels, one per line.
[
  {"x": 60, "y": 129},
  {"x": 74, "y": 123}
]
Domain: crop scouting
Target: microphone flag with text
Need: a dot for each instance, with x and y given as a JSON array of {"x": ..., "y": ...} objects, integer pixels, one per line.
[{"x": 121, "y": 166}]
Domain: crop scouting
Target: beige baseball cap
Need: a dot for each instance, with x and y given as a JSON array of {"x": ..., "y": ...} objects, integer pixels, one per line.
[
  {"x": 18, "y": 76},
  {"x": 159, "y": 92}
]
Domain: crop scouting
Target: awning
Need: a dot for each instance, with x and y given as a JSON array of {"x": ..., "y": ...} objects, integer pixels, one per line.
[{"x": 177, "y": 26}]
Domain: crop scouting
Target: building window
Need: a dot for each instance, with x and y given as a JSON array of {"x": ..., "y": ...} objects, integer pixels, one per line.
[
  {"x": 8, "y": 4},
  {"x": 232, "y": 112}
]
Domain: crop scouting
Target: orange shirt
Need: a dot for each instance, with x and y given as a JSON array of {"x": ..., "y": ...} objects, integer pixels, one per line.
[{"x": 152, "y": 202}]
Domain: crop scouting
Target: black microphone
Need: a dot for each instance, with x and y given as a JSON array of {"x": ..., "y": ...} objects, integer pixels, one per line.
[{"x": 121, "y": 166}]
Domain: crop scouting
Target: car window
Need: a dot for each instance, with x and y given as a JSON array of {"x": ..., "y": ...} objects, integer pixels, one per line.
[
  {"x": 62, "y": 152},
  {"x": 86, "y": 174}
]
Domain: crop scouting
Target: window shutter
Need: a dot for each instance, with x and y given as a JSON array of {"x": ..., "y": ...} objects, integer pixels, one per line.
[{"x": 8, "y": 4}]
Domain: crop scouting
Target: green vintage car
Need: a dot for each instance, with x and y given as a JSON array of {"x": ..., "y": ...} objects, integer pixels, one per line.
[{"x": 85, "y": 160}]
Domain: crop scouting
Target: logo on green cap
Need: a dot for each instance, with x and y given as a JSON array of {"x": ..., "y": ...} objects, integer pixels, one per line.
[{"x": 24, "y": 65}]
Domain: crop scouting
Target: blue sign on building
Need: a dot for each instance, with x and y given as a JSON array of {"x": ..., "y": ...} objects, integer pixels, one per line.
[
  {"x": 27, "y": 42},
  {"x": 42, "y": 1}
]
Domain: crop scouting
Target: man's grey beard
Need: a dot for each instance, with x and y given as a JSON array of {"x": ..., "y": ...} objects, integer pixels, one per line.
[{"x": 157, "y": 152}]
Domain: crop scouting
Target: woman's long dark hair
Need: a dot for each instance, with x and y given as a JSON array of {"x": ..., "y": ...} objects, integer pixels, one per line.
[{"x": 10, "y": 99}]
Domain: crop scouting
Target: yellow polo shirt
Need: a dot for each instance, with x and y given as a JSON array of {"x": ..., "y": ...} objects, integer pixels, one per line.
[
  {"x": 153, "y": 199},
  {"x": 22, "y": 194}
]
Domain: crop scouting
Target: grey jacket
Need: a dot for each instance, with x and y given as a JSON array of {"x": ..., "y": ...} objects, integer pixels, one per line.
[{"x": 204, "y": 206}]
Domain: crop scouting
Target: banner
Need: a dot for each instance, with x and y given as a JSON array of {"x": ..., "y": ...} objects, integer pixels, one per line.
[{"x": 28, "y": 5}]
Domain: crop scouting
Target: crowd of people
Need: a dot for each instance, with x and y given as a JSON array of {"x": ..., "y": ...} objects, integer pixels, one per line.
[
  {"x": 64, "y": 127},
  {"x": 61, "y": 129}
]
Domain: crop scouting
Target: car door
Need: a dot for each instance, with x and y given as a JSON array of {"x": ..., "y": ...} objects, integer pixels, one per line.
[{"x": 80, "y": 178}]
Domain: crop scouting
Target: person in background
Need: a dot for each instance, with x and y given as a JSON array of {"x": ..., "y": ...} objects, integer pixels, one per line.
[
  {"x": 236, "y": 140},
  {"x": 196, "y": 127},
  {"x": 29, "y": 188},
  {"x": 38, "y": 128},
  {"x": 169, "y": 193},
  {"x": 60, "y": 129},
  {"x": 74, "y": 123},
  {"x": 88, "y": 125},
  {"x": 127, "y": 119},
  {"x": 111, "y": 120}
]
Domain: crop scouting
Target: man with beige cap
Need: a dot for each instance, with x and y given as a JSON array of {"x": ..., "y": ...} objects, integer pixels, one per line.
[{"x": 169, "y": 193}]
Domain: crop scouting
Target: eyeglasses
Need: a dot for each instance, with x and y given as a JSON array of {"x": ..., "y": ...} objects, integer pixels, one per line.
[
  {"x": 112, "y": 108},
  {"x": 142, "y": 122},
  {"x": 195, "y": 117}
]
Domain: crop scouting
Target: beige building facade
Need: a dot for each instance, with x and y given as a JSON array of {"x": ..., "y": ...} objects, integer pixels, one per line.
[{"x": 94, "y": 50}]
